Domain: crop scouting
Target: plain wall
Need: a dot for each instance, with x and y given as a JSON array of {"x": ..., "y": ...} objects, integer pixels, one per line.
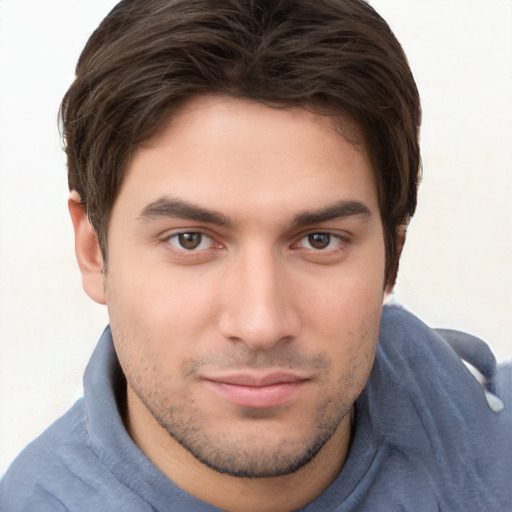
[{"x": 455, "y": 271}]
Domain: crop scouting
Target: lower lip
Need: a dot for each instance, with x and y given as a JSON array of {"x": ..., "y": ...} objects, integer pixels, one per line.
[{"x": 257, "y": 396}]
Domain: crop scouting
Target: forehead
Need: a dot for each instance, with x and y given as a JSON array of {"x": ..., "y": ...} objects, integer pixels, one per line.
[
  {"x": 220, "y": 150},
  {"x": 207, "y": 109}
]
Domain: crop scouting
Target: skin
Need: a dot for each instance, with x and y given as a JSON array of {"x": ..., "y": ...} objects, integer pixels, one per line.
[{"x": 245, "y": 243}]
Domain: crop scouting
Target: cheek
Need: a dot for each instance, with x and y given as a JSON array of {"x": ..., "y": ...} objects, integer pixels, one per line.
[
  {"x": 352, "y": 343},
  {"x": 346, "y": 300},
  {"x": 158, "y": 313},
  {"x": 156, "y": 290},
  {"x": 351, "y": 332},
  {"x": 344, "y": 314}
]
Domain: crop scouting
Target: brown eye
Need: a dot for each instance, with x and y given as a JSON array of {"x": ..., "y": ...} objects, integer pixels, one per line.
[
  {"x": 190, "y": 241},
  {"x": 191, "y": 244},
  {"x": 319, "y": 240}
]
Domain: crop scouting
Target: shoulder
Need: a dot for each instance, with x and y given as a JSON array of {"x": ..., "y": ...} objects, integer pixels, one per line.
[
  {"x": 456, "y": 367},
  {"x": 60, "y": 471},
  {"x": 64, "y": 469},
  {"x": 447, "y": 354},
  {"x": 44, "y": 464},
  {"x": 428, "y": 406}
]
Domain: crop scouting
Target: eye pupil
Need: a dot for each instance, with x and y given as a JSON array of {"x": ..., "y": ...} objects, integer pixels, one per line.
[
  {"x": 319, "y": 240},
  {"x": 190, "y": 240}
]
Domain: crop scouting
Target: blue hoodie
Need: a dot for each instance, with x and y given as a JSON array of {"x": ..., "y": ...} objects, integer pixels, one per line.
[{"x": 425, "y": 439}]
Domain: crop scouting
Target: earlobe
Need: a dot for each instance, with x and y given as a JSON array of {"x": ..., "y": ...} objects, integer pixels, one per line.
[{"x": 87, "y": 250}]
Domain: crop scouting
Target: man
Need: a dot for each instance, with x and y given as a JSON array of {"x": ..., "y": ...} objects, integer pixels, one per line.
[{"x": 242, "y": 175}]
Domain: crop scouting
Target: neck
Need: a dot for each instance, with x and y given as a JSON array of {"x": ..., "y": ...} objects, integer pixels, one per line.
[{"x": 276, "y": 494}]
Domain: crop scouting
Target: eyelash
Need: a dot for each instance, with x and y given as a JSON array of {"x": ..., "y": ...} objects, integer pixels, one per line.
[
  {"x": 203, "y": 236},
  {"x": 176, "y": 245},
  {"x": 331, "y": 237}
]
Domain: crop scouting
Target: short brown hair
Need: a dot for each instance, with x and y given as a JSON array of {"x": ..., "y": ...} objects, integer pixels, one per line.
[{"x": 148, "y": 56}]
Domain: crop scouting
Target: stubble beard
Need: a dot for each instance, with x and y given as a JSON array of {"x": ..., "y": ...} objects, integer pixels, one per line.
[
  {"x": 248, "y": 457},
  {"x": 255, "y": 453}
]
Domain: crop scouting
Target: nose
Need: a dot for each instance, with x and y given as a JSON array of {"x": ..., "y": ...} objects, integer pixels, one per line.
[{"x": 258, "y": 301}]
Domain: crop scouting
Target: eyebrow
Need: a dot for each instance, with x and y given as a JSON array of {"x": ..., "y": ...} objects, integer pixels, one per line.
[
  {"x": 175, "y": 208},
  {"x": 339, "y": 210}
]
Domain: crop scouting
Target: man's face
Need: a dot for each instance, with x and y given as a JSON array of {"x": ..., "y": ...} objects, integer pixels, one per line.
[{"x": 245, "y": 282}]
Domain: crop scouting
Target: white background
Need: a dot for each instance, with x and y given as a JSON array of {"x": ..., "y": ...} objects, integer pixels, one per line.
[{"x": 456, "y": 270}]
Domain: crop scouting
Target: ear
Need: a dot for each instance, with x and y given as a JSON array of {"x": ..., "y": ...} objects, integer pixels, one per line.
[
  {"x": 400, "y": 242},
  {"x": 87, "y": 250}
]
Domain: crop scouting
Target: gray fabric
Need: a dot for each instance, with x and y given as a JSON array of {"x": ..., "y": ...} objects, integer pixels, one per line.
[
  {"x": 425, "y": 440},
  {"x": 474, "y": 351}
]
